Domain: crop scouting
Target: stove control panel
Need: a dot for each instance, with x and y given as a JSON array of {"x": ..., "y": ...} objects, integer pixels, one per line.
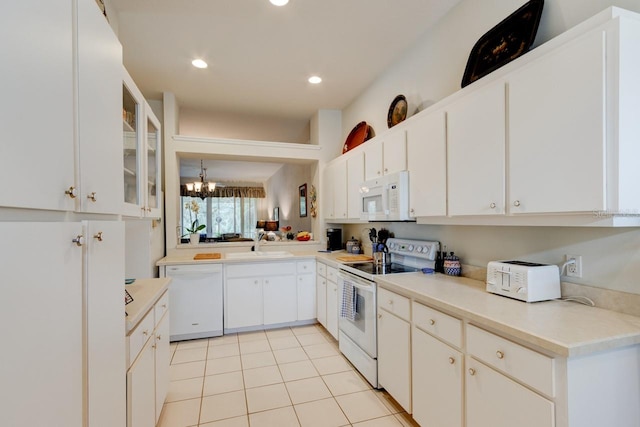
[{"x": 414, "y": 248}]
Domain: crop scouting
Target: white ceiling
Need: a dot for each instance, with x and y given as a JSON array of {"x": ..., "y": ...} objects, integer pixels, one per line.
[{"x": 260, "y": 55}]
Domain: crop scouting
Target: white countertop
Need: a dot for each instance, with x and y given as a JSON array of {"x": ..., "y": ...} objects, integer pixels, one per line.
[
  {"x": 145, "y": 293},
  {"x": 564, "y": 328},
  {"x": 182, "y": 259}
]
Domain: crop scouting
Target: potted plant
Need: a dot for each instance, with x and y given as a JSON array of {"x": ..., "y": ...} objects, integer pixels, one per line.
[{"x": 193, "y": 231}]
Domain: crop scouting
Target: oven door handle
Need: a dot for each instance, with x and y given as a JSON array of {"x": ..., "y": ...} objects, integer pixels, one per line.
[
  {"x": 363, "y": 287},
  {"x": 356, "y": 283}
]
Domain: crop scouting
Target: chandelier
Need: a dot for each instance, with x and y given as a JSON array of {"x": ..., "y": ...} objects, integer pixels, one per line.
[{"x": 203, "y": 185}]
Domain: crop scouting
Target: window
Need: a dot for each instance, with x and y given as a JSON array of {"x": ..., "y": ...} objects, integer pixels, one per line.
[{"x": 222, "y": 215}]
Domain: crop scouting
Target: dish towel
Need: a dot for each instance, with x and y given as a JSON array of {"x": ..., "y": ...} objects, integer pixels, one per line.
[{"x": 348, "y": 306}]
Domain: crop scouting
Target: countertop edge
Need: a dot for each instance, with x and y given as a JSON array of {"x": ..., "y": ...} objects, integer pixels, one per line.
[
  {"x": 548, "y": 344},
  {"x": 145, "y": 293}
]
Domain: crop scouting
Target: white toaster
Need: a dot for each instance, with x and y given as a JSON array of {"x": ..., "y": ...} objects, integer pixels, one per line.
[{"x": 525, "y": 281}]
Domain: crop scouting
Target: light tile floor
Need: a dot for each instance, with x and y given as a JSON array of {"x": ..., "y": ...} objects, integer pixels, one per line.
[{"x": 274, "y": 378}]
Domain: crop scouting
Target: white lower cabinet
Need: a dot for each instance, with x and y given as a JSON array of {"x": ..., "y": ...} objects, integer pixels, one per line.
[
  {"x": 306, "y": 287},
  {"x": 437, "y": 378},
  {"x": 41, "y": 314},
  {"x": 273, "y": 293},
  {"x": 332, "y": 302},
  {"x": 280, "y": 299},
  {"x": 394, "y": 357},
  {"x": 162, "y": 360},
  {"x": 494, "y": 400},
  {"x": 141, "y": 394},
  {"x": 105, "y": 325},
  {"x": 243, "y": 302},
  {"x": 321, "y": 300},
  {"x": 148, "y": 373}
]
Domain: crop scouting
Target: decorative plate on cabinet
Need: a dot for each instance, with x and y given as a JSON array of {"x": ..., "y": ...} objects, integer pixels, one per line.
[
  {"x": 397, "y": 111},
  {"x": 505, "y": 42},
  {"x": 360, "y": 133}
]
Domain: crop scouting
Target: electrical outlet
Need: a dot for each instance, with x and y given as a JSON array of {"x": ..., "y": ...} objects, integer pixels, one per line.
[{"x": 574, "y": 269}]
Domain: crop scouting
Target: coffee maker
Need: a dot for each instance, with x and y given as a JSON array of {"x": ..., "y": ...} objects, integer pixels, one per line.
[{"x": 334, "y": 239}]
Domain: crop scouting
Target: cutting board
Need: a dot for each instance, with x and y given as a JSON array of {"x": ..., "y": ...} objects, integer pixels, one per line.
[
  {"x": 210, "y": 255},
  {"x": 354, "y": 258}
]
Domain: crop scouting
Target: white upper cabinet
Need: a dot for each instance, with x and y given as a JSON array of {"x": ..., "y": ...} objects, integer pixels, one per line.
[
  {"x": 394, "y": 149},
  {"x": 386, "y": 154},
  {"x": 141, "y": 153},
  {"x": 99, "y": 112},
  {"x": 340, "y": 189},
  {"x": 355, "y": 177},
  {"x": 335, "y": 189},
  {"x": 36, "y": 110},
  {"x": 153, "y": 175},
  {"x": 372, "y": 159},
  {"x": 427, "y": 165},
  {"x": 557, "y": 139},
  {"x": 573, "y": 126},
  {"x": 476, "y": 152}
]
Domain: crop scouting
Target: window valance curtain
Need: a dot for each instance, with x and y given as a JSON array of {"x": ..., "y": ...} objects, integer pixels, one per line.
[{"x": 226, "y": 191}]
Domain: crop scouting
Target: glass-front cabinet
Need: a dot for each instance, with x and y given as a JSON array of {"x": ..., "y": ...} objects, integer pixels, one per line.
[
  {"x": 153, "y": 183},
  {"x": 141, "y": 144}
]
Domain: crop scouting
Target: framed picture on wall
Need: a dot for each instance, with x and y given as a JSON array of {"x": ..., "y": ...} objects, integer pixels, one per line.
[{"x": 302, "y": 192}]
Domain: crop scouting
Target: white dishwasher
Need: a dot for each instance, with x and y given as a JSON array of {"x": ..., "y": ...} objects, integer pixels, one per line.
[{"x": 195, "y": 301}]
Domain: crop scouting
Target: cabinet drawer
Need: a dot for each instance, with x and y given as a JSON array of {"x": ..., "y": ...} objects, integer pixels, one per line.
[
  {"x": 332, "y": 274},
  {"x": 139, "y": 336},
  {"x": 161, "y": 307},
  {"x": 322, "y": 269},
  {"x": 394, "y": 303},
  {"x": 438, "y": 324},
  {"x": 260, "y": 269},
  {"x": 306, "y": 266},
  {"x": 532, "y": 368}
]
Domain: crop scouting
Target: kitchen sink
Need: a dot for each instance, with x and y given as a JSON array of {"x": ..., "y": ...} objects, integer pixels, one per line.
[{"x": 258, "y": 255}]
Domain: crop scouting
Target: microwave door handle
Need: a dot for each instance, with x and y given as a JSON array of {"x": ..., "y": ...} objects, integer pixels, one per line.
[{"x": 385, "y": 200}]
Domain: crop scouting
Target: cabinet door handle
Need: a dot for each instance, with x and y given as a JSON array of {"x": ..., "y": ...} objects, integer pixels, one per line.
[
  {"x": 432, "y": 322},
  {"x": 452, "y": 360},
  {"x": 379, "y": 315},
  {"x": 71, "y": 192},
  {"x": 499, "y": 354},
  {"x": 492, "y": 205},
  {"x": 79, "y": 240},
  {"x": 159, "y": 337},
  {"x": 516, "y": 203},
  {"x": 98, "y": 236},
  {"x": 390, "y": 302},
  {"x": 92, "y": 196},
  {"x": 472, "y": 371},
  {"x": 145, "y": 332}
]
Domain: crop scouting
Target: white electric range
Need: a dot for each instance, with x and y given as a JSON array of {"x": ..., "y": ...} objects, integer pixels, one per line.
[{"x": 357, "y": 298}]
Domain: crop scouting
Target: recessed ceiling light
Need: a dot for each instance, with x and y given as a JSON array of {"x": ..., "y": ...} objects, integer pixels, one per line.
[
  {"x": 315, "y": 80},
  {"x": 279, "y": 2},
  {"x": 199, "y": 63}
]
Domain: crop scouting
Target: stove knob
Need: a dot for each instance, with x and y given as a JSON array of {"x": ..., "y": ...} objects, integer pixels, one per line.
[
  {"x": 419, "y": 249},
  {"x": 410, "y": 248},
  {"x": 392, "y": 245}
]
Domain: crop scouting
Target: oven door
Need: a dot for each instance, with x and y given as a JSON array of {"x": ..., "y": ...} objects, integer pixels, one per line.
[{"x": 362, "y": 329}]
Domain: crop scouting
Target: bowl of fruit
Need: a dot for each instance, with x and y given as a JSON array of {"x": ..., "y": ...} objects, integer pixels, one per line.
[{"x": 303, "y": 236}]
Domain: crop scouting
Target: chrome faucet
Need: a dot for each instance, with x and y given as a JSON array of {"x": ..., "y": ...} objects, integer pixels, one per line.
[{"x": 259, "y": 236}]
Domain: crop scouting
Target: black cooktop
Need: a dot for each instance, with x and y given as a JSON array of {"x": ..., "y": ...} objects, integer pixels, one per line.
[{"x": 372, "y": 268}]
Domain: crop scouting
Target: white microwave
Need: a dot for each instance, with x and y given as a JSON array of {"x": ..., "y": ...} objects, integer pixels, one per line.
[{"x": 386, "y": 198}]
